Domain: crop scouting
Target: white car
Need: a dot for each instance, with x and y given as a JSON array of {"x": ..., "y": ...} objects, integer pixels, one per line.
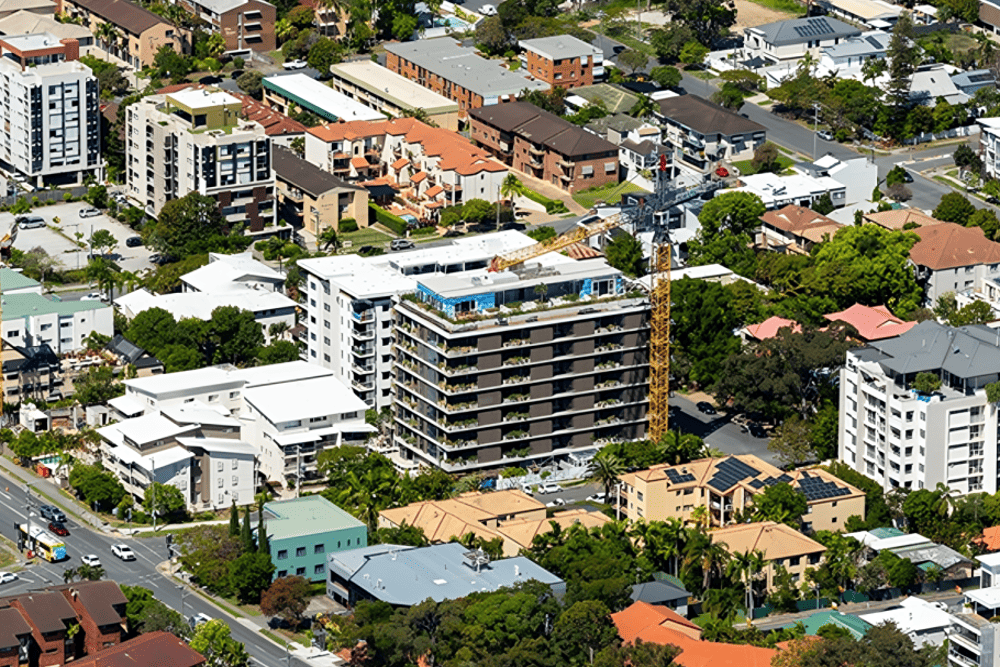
[
  {"x": 93, "y": 296},
  {"x": 198, "y": 619},
  {"x": 549, "y": 487},
  {"x": 558, "y": 502},
  {"x": 488, "y": 10},
  {"x": 296, "y": 64},
  {"x": 123, "y": 551},
  {"x": 89, "y": 212},
  {"x": 598, "y": 498},
  {"x": 91, "y": 560},
  {"x": 526, "y": 488},
  {"x": 7, "y": 577}
]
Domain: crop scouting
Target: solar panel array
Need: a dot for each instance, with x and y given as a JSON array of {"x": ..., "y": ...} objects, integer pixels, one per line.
[
  {"x": 677, "y": 478},
  {"x": 729, "y": 472},
  {"x": 815, "y": 488},
  {"x": 771, "y": 481},
  {"x": 814, "y": 28},
  {"x": 980, "y": 78}
]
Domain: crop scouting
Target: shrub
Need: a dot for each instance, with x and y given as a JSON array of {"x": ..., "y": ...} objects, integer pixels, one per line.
[
  {"x": 393, "y": 222},
  {"x": 348, "y": 225}
]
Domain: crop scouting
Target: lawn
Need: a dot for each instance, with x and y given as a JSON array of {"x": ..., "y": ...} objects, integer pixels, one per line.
[
  {"x": 609, "y": 194},
  {"x": 956, "y": 43},
  {"x": 790, "y": 6},
  {"x": 746, "y": 166},
  {"x": 364, "y": 236}
]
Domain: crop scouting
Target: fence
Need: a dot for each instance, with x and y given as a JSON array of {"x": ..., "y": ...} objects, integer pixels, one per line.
[
  {"x": 964, "y": 131},
  {"x": 558, "y": 475},
  {"x": 45, "y": 195}
]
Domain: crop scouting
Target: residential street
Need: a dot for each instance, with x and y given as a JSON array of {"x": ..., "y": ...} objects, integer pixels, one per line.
[{"x": 150, "y": 552}]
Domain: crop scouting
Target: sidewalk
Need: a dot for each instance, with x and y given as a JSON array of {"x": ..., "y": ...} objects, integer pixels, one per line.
[{"x": 52, "y": 495}]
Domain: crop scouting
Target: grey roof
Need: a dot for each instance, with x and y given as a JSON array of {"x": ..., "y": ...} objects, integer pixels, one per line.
[
  {"x": 658, "y": 592},
  {"x": 939, "y": 554},
  {"x": 966, "y": 352},
  {"x": 460, "y": 65},
  {"x": 704, "y": 117},
  {"x": 619, "y": 123},
  {"x": 304, "y": 175},
  {"x": 558, "y": 47},
  {"x": 973, "y": 80},
  {"x": 866, "y": 45},
  {"x": 440, "y": 572},
  {"x": 644, "y": 147},
  {"x": 800, "y": 31}
]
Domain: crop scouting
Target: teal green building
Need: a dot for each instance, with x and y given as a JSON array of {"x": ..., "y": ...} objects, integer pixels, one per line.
[{"x": 302, "y": 531}]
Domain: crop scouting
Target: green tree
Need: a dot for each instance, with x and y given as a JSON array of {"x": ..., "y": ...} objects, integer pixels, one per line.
[
  {"x": 96, "y": 485},
  {"x": 976, "y": 312},
  {"x": 987, "y": 220},
  {"x": 207, "y": 553},
  {"x": 730, "y": 96},
  {"x": 103, "y": 241},
  {"x": 648, "y": 654},
  {"x": 250, "y": 82},
  {"x": 625, "y": 254},
  {"x": 324, "y": 52},
  {"x": 582, "y": 630},
  {"x": 246, "y": 533},
  {"x": 666, "y": 76},
  {"x": 250, "y": 575},
  {"x": 278, "y": 352},
  {"x": 896, "y": 175},
  {"x": 328, "y": 239},
  {"x": 903, "y": 56},
  {"x": 781, "y": 503},
  {"x": 668, "y": 41},
  {"x": 542, "y": 234},
  {"x": 724, "y": 238},
  {"x": 403, "y": 26},
  {"x": 287, "y": 598},
  {"x": 491, "y": 35},
  {"x": 478, "y": 210},
  {"x": 953, "y": 207},
  {"x": 633, "y": 60},
  {"x": 234, "y": 520},
  {"x": 214, "y": 641},
  {"x": 693, "y": 53},
  {"x": 966, "y": 158},
  {"x": 606, "y": 469},
  {"x": 926, "y": 383},
  {"x": 97, "y": 385},
  {"x": 823, "y": 205},
  {"x": 163, "y": 500},
  {"x": 701, "y": 334},
  {"x": 184, "y": 223},
  {"x": 791, "y": 443},
  {"x": 97, "y": 196},
  {"x": 235, "y": 335},
  {"x": 404, "y": 534},
  {"x": 765, "y": 158}
]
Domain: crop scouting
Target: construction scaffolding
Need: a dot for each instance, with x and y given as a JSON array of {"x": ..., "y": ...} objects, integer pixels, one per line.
[{"x": 659, "y": 344}]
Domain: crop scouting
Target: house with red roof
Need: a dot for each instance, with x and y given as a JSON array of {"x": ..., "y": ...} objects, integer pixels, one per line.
[
  {"x": 659, "y": 625},
  {"x": 767, "y": 329},
  {"x": 794, "y": 229},
  {"x": 953, "y": 258},
  {"x": 871, "y": 322}
]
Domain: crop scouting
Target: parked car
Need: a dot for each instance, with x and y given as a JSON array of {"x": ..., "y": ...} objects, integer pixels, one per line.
[
  {"x": 295, "y": 64},
  {"x": 825, "y": 135},
  {"x": 401, "y": 244},
  {"x": 89, "y": 212},
  {"x": 198, "y": 619},
  {"x": 527, "y": 489},
  {"x": 705, "y": 407},
  {"x": 93, "y": 296},
  {"x": 757, "y": 431},
  {"x": 91, "y": 560},
  {"x": 52, "y": 513},
  {"x": 123, "y": 551},
  {"x": 722, "y": 172},
  {"x": 7, "y": 577},
  {"x": 58, "y": 528},
  {"x": 133, "y": 242},
  {"x": 558, "y": 502},
  {"x": 549, "y": 487},
  {"x": 598, "y": 498},
  {"x": 488, "y": 10},
  {"x": 30, "y": 222},
  {"x": 451, "y": 233}
]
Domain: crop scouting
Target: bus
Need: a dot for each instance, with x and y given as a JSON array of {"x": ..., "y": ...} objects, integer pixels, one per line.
[{"x": 42, "y": 542}]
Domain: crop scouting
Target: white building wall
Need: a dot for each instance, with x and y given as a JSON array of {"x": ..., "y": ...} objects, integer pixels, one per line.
[{"x": 231, "y": 477}]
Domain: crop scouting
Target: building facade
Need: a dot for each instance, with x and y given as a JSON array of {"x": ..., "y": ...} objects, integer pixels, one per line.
[
  {"x": 49, "y": 110},
  {"x": 544, "y": 146},
  {"x": 482, "y": 384},
  {"x": 245, "y": 25},
  {"x": 392, "y": 94},
  {"x": 704, "y": 134},
  {"x": 902, "y": 438},
  {"x": 785, "y": 41},
  {"x": 142, "y": 33},
  {"x": 196, "y": 141},
  {"x": 302, "y": 531},
  {"x": 562, "y": 61}
]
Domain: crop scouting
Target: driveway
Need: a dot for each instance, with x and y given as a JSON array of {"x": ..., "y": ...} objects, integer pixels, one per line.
[{"x": 717, "y": 430}]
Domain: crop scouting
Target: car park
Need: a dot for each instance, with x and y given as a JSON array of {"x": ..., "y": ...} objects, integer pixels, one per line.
[
  {"x": 30, "y": 222},
  {"x": 705, "y": 408},
  {"x": 52, "y": 513},
  {"x": 401, "y": 244},
  {"x": 7, "y": 577},
  {"x": 133, "y": 242},
  {"x": 91, "y": 560},
  {"x": 549, "y": 487},
  {"x": 89, "y": 212},
  {"x": 123, "y": 551},
  {"x": 58, "y": 528}
]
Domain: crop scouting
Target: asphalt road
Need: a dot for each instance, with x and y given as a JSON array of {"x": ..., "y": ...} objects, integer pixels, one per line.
[
  {"x": 717, "y": 430},
  {"x": 149, "y": 552}
]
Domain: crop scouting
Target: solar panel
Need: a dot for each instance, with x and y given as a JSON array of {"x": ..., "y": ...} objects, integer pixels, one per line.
[
  {"x": 756, "y": 483},
  {"x": 980, "y": 78},
  {"x": 815, "y": 488},
  {"x": 677, "y": 478},
  {"x": 729, "y": 472},
  {"x": 814, "y": 28}
]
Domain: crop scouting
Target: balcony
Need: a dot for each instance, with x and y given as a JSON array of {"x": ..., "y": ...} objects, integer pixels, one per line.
[
  {"x": 563, "y": 162},
  {"x": 366, "y": 351},
  {"x": 365, "y": 333},
  {"x": 536, "y": 150},
  {"x": 362, "y": 386},
  {"x": 956, "y": 657}
]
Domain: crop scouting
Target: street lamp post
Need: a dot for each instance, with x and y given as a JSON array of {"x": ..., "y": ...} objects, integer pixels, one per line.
[{"x": 815, "y": 126}]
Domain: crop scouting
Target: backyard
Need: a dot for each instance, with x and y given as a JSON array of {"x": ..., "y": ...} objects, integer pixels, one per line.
[{"x": 609, "y": 194}]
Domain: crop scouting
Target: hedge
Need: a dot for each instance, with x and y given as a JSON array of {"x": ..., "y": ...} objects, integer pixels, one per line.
[
  {"x": 552, "y": 206},
  {"x": 348, "y": 225},
  {"x": 393, "y": 222}
]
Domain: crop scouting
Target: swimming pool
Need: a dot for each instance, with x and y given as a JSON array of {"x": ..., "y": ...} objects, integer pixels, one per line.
[{"x": 450, "y": 22}]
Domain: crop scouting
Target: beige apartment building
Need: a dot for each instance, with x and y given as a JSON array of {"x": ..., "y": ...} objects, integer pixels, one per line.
[
  {"x": 196, "y": 140},
  {"x": 778, "y": 544},
  {"x": 141, "y": 33},
  {"x": 727, "y": 487}
]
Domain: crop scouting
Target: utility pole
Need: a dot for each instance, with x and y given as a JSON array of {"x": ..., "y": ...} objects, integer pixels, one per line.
[
  {"x": 498, "y": 207},
  {"x": 815, "y": 126},
  {"x": 152, "y": 485}
]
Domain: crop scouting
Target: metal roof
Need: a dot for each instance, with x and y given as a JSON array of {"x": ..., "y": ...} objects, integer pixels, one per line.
[
  {"x": 310, "y": 515},
  {"x": 966, "y": 352},
  {"x": 801, "y": 31}
]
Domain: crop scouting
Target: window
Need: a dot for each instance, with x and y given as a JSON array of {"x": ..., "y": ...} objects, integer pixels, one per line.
[
  {"x": 282, "y": 554},
  {"x": 318, "y": 569},
  {"x": 318, "y": 549},
  {"x": 219, "y": 466},
  {"x": 234, "y": 394},
  {"x": 236, "y": 464},
  {"x": 220, "y": 483},
  {"x": 212, "y": 398},
  {"x": 794, "y": 561},
  {"x": 236, "y": 480},
  {"x": 300, "y": 571},
  {"x": 282, "y": 573},
  {"x": 300, "y": 552}
]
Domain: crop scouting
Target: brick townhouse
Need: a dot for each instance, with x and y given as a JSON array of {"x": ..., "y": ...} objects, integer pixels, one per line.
[
  {"x": 542, "y": 145},
  {"x": 153, "y": 649},
  {"x": 561, "y": 61},
  {"x": 35, "y": 626}
]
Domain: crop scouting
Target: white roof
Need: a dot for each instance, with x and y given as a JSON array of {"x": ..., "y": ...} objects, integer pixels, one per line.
[
  {"x": 990, "y": 560},
  {"x": 915, "y": 615},
  {"x": 202, "y": 97},
  {"x": 200, "y": 305},
  {"x": 161, "y": 459},
  {"x": 198, "y": 412},
  {"x": 314, "y": 93},
  {"x": 226, "y": 377},
  {"x": 317, "y": 433},
  {"x": 386, "y": 84},
  {"x": 224, "y": 272},
  {"x": 880, "y": 543},
  {"x": 219, "y": 445},
  {"x": 988, "y": 597},
  {"x": 290, "y": 371},
  {"x": 127, "y": 405},
  {"x": 361, "y": 277},
  {"x": 772, "y": 186},
  {"x": 317, "y": 397},
  {"x": 148, "y": 428}
]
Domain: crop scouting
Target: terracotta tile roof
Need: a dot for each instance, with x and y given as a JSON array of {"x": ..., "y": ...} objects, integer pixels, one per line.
[
  {"x": 948, "y": 246},
  {"x": 418, "y": 177},
  {"x": 899, "y": 218},
  {"x": 659, "y": 625},
  {"x": 801, "y": 221},
  {"x": 353, "y": 130},
  {"x": 990, "y": 539},
  {"x": 400, "y": 163},
  {"x": 161, "y": 649},
  {"x": 872, "y": 322},
  {"x": 434, "y": 191},
  {"x": 524, "y": 532},
  {"x": 769, "y": 328},
  {"x": 359, "y": 163},
  {"x": 582, "y": 251},
  {"x": 774, "y": 540},
  {"x": 442, "y": 520}
]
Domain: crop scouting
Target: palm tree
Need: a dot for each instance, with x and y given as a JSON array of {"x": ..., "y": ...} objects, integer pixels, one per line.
[
  {"x": 328, "y": 237},
  {"x": 664, "y": 540},
  {"x": 511, "y": 186},
  {"x": 606, "y": 469},
  {"x": 708, "y": 555},
  {"x": 277, "y": 329},
  {"x": 746, "y": 566},
  {"x": 644, "y": 107}
]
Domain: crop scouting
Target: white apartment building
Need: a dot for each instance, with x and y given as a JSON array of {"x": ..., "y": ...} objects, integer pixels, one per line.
[
  {"x": 349, "y": 305},
  {"x": 901, "y": 438},
  {"x": 973, "y": 641},
  {"x": 196, "y": 140},
  {"x": 48, "y": 110},
  {"x": 989, "y": 145},
  {"x": 30, "y": 319},
  {"x": 287, "y": 413}
]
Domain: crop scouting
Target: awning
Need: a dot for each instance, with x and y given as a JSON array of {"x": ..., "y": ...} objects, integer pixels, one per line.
[
  {"x": 320, "y": 433},
  {"x": 127, "y": 405}
]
